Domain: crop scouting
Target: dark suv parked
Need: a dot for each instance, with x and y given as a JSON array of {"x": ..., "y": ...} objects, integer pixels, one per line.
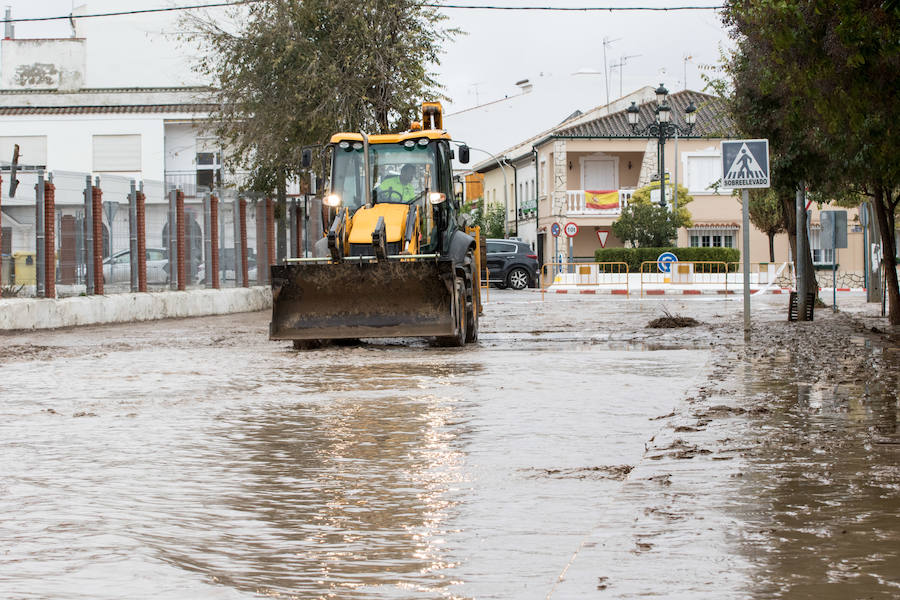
[{"x": 511, "y": 264}]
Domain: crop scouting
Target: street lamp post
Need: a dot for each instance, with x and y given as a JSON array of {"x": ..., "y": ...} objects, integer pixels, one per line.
[
  {"x": 661, "y": 129},
  {"x": 505, "y": 187}
]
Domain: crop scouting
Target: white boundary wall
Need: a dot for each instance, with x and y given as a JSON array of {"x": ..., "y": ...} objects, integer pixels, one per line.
[{"x": 36, "y": 313}]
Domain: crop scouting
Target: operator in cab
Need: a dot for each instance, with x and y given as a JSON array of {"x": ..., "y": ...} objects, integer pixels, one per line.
[{"x": 400, "y": 188}]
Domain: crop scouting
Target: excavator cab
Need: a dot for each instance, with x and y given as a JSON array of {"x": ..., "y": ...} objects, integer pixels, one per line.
[{"x": 393, "y": 261}]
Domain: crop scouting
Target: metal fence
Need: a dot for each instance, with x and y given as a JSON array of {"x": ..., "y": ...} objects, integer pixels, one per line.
[
  {"x": 707, "y": 274},
  {"x": 67, "y": 234},
  {"x": 595, "y": 274}
]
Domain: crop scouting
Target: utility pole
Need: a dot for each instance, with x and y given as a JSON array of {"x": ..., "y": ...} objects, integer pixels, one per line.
[
  {"x": 499, "y": 162},
  {"x": 802, "y": 251}
]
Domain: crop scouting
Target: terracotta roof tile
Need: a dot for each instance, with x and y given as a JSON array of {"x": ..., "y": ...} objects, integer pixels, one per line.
[
  {"x": 121, "y": 109},
  {"x": 715, "y": 226},
  {"x": 712, "y": 118}
]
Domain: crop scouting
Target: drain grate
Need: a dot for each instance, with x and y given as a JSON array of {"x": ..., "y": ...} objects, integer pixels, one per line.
[{"x": 810, "y": 306}]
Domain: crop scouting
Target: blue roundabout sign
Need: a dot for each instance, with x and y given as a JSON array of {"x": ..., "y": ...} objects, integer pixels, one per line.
[{"x": 664, "y": 261}]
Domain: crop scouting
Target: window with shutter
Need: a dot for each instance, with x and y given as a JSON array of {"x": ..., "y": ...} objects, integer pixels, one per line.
[
  {"x": 114, "y": 153},
  {"x": 703, "y": 172},
  {"x": 32, "y": 149}
]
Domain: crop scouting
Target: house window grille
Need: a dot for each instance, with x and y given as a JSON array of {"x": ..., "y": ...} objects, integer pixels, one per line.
[
  {"x": 820, "y": 256},
  {"x": 712, "y": 238}
]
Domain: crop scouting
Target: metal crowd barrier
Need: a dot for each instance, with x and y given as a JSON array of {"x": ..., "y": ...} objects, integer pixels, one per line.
[
  {"x": 762, "y": 273},
  {"x": 594, "y": 274},
  {"x": 702, "y": 272}
]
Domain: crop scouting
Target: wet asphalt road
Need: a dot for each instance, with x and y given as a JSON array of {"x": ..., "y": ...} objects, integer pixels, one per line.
[{"x": 196, "y": 459}]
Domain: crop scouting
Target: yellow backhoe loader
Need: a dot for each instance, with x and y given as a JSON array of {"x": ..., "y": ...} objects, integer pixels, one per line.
[{"x": 396, "y": 259}]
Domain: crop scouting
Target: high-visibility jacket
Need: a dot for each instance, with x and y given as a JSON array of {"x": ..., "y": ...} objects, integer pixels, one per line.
[{"x": 407, "y": 191}]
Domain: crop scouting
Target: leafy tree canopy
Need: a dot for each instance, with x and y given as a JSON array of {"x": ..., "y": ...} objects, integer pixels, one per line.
[
  {"x": 766, "y": 214},
  {"x": 494, "y": 219},
  {"x": 683, "y": 216},
  {"x": 819, "y": 80},
  {"x": 291, "y": 73},
  {"x": 645, "y": 223},
  {"x": 765, "y": 211}
]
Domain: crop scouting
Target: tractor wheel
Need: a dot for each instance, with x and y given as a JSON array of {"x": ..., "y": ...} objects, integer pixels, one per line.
[
  {"x": 458, "y": 339},
  {"x": 308, "y": 344},
  {"x": 471, "y": 303}
]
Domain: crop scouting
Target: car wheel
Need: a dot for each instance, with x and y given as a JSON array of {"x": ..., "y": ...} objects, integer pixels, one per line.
[{"x": 517, "y": 279}]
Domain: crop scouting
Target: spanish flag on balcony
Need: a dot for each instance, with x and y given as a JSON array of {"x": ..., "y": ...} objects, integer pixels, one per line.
[{"x": 601, "y": 199}]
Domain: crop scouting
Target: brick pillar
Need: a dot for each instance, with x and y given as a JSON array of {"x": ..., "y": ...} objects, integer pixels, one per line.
[
  {"x": 261, "y": 238},
  {"x": 213, "y": 262},
  {"x": 1, "y": 230},
  {"x": 179, "y": 238},
  {"x": 97, "y": 210},
  {"x": 142, "y": 241},
  {"x": 244, "y": 268},
  {"x": 67, "y": 258},
  {"x": 49, "y": 240},
  {"x": 263, "y": 276}
]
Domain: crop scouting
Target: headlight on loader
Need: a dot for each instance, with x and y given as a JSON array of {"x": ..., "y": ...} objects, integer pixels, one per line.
[
  {"x": 332, "y": 200},
  {"x": 437, "y": 197}
]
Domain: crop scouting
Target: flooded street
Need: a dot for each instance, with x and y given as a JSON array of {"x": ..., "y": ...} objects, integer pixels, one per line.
[{"x": 571, "y": 453}]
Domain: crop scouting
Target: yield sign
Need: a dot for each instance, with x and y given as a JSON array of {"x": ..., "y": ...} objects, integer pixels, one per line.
[{"x": 602, "y": 235}]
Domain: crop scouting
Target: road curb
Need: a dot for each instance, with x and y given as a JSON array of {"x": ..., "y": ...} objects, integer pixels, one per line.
[
  {"x": 657, "y": 292},
  {"x": 18, "y": 314}
]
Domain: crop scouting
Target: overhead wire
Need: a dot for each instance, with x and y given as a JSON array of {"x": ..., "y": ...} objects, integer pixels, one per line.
[
  {"x": 428, "y": 4},
  {"x": 576, "y": 8},
  {"x": 139, "y": 11}
]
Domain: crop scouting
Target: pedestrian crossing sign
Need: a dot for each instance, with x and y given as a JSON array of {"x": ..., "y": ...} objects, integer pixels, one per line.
[{"x": 745, "y": 164}]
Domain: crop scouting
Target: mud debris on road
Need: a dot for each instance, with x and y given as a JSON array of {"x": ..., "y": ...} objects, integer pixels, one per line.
[
  {"x": 669, "y": 321},
  {"x": 567, "y": 455}
]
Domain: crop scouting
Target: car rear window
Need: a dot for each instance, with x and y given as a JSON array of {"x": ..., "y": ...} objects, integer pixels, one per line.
[{"x": 500, "y": 247}]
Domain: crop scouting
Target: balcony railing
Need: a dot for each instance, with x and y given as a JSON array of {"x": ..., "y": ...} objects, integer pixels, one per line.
[
  {"x": 190, "y": 182},
  {"x": 600, "y": 203},
  {"x": 195, "y": 183}
]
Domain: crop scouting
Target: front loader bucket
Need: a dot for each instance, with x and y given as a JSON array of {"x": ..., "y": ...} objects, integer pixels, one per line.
[{"x": 357, "y": 299}]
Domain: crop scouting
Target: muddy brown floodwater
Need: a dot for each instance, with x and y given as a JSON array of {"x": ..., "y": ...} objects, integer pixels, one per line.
[{"x": 571, "y": 453}]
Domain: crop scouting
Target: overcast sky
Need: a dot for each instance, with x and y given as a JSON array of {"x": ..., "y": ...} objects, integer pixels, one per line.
[{"x": 499, "y": 49}]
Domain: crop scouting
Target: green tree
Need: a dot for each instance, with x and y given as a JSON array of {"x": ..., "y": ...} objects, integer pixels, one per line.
[
  {"x": 476, "y": 214},
  {"x": 645, "y": 223},
  {"x": 766, "y": 215},
  {"x": 494, "y": 219},
  {"x": 288, "y": 74},
  {"x": 819, "y": 79},
  {"x": 759, "y": 110}
]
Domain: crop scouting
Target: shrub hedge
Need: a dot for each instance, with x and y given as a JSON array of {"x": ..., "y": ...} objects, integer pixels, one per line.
[{"x": 635, "y": 256}]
